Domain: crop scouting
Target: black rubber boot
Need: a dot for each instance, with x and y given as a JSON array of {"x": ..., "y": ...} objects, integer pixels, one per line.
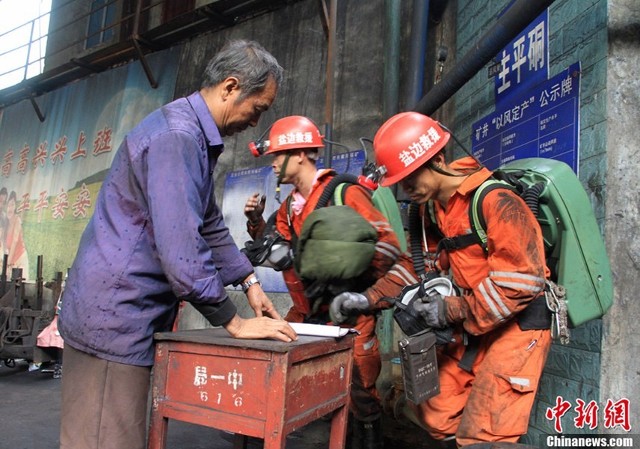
[{"x": 366, "y": 435}]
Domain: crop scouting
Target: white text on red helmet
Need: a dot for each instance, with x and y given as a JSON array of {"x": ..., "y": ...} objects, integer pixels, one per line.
[
  {"x": 420, "y": 147},
  {"x": 295, "y": 137}
]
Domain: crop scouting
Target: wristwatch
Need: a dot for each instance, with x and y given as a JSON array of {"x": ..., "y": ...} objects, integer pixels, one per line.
[{"x": 249, "y": 282}]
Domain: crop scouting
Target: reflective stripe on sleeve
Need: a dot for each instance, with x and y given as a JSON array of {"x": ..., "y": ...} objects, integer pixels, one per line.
[
  {"x": 405, "y": 276},
  {"x": 493, "y": 300},
  {"x": 388, "y": 250}
]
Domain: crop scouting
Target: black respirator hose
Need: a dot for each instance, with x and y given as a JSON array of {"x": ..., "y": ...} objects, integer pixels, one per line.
[
  {"x": 531, "y": 197},
  {"x": 327, "y": 193},
  {"x": 415, "y": 231}
]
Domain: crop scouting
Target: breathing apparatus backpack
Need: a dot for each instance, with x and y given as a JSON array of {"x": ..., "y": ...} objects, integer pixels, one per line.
[
  {"x": 336, "y": 242},
  {"x": 574, "y": 249}
]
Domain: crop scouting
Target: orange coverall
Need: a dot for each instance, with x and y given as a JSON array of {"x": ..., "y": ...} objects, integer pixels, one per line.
[
  {"x": 492, "y": 401},
  {"x": 365, "y": 400}
]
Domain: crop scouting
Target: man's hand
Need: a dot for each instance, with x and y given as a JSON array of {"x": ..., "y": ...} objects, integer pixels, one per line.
[
  {"x": 347, "y": 304},
  {"x": 433, "y": 310},
  {"x": 261, "y": 327},
  {"x": 254, "y": 207},
  {"x": 260, "y": 302}
]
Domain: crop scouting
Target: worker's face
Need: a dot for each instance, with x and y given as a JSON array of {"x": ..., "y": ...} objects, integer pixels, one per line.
[
  {"x": 240, "y": 113},
  {"x": 420, "y": 185},
  {"x": 292, "y": 164}
]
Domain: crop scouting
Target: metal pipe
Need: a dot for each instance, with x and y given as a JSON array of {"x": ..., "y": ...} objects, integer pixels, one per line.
[
  {"x": 26, "y": 66},
  {"x": 391, "y": 80},
  {"x": 39, "y": 113},
  {"x": 390, "y": 104},
  {"x": 145, "y": 65},
  {"x": 3, "y": 275},
  {"x": 331, "y": 59},
  {"x": 418, "y": 46},
  {"x": 39, "y": 283},
  {"x": 507, "y": 27},
  {"x": 135, "y": 39}
]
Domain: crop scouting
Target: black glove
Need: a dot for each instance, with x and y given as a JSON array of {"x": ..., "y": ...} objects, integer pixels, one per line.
[{"x": 433, "y": 310}]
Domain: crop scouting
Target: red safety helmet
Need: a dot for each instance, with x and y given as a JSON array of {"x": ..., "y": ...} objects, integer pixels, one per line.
[
  {"x": 404, "y": 143},
  {"x": 289, "y": 133}
]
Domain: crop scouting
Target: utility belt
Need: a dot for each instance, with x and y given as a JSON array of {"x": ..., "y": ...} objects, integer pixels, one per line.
[
  {"x": 535, "y": 316},
  {"x": 546, "y": 311}
]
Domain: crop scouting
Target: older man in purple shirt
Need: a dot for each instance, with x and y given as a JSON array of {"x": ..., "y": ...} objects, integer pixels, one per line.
[{"x": 158, "y": 237}]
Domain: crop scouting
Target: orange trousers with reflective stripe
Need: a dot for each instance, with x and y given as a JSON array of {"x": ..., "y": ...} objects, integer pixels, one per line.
[{"x": 493, "y": 401}]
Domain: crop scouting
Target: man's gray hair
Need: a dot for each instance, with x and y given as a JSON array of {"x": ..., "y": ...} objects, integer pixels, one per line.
[{"x": 246, "y": 60}]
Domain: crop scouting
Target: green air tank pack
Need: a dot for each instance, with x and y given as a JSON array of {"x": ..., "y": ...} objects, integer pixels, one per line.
[{"x": 576, "y": 253}]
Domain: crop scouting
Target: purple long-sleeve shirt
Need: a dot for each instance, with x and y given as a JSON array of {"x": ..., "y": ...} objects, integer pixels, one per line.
[{"x": 156, "y": 235}]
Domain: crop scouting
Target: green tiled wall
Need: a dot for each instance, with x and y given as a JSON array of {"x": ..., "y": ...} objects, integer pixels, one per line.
[{"x": 577, "y": 32}]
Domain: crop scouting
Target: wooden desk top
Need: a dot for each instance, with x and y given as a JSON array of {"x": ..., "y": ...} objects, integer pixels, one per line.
[{"x": 220, "y": 337}]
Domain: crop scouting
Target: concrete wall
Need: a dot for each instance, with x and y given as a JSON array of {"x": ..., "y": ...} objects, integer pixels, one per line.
[{"x": 620, "y": 370}]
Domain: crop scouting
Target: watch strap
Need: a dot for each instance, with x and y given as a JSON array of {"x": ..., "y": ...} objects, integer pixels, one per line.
[{"x": 249, "y": 282}]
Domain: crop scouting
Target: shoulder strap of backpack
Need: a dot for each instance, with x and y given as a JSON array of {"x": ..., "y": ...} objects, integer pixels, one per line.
[
  {"x": 328, "y": 192},
  {"x": 478, "y": 223},
  {"x": 339, "y": 193},
  {"x": 476, "y": 217}
]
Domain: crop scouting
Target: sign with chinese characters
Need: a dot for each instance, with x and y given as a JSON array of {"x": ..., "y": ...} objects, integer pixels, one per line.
[
  {"x": 544, "y": 122},
  {"x": 224, "y": 383},
  {"x": 523, "y": 63},
  {"x": 51, "y": 171},
  {"x": 240, "y": 185}
]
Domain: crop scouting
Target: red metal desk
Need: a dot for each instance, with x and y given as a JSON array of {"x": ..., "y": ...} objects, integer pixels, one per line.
[{"x": 259, "y": 388}]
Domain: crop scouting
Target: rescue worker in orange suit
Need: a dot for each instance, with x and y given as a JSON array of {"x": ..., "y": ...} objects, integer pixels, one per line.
[
  {"x": 501, "y": 310},
  {"x": 294, "y": 143}
]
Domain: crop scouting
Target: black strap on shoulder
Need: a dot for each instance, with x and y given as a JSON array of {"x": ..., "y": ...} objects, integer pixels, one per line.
[
  {"x": 458, "y": 242},
  {"x": 478, "y": 234},
  {"x": 294, "y": 236}
]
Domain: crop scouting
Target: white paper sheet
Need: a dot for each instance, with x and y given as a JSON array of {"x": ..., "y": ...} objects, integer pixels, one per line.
[{"x": 320, "y": 330}]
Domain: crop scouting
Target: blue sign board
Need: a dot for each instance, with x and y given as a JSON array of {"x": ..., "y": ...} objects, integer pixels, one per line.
[
  {"x": 545, "y": 122},
  {"x": 523, "y": 63},
  {"x": 240, "y": 185}
]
